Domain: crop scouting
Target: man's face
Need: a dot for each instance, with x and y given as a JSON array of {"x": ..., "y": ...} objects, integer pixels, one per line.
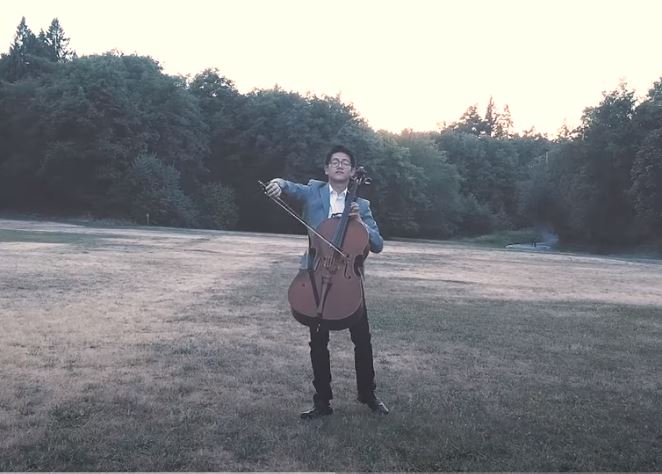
[{"x": 339, "y": 168}]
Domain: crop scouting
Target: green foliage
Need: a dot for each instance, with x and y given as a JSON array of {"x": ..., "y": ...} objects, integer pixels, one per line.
[
  {"x": 266, "y": 134},
  {"x": 152, "y": 193},
  {"x": 217, "y": 207},
  {"x": 646, "y": 174},
  {"x": 591, "y": 175},
  {"x": 493, "y": 124},
  {"x": 488, "y": 167},
  {"x": 439, "y": 212},
  {"x": 21, "y": 145},
  {"x": 76, "y": 134},
  {"x": 647, "y": 182},
  {"x": 476, "y": 217},
  {"x": 56, "y": 44},
  {"x": 506, "y": 237},
  {"x": 71, "y": 129},
  {"x": 539, "y": 200},
  {"x": 33, "y": 56}
]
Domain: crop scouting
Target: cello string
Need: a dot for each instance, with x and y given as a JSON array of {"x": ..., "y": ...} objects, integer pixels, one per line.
[
  {"x": 339, "y": 237},
  {"x": 284, "y": 205}
]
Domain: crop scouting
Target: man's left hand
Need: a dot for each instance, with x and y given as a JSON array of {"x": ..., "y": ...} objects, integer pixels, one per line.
[{"x": 354, "y": 212}]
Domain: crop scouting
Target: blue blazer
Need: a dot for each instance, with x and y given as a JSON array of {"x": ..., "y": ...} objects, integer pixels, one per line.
[{"x": 316, "y": 201}]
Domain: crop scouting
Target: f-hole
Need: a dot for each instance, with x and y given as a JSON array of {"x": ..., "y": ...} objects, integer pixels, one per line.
[{"x": 358, "y": 265}]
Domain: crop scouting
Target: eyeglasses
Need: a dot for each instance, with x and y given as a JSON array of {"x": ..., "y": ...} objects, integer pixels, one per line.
[{"x": 337, "y": 163}]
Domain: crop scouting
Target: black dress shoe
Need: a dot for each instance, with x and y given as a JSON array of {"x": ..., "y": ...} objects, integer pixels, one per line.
[
  {"x": 376, "y": 405},
  {"x": 317, "y": 411}
]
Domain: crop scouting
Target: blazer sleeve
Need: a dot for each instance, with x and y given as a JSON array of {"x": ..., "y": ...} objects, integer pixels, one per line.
[
  {"x": 376, "y": 240},
  {"x": 296, "y": 191}
]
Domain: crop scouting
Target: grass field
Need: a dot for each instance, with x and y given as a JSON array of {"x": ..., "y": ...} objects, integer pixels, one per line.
[{"x": 166, "y": 350}]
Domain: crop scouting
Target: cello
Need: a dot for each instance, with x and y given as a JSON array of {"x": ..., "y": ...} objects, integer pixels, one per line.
[{"x": 330, "y": 291}]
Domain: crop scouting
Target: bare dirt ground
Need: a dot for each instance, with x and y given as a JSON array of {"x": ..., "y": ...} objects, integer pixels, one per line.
[{"x": 170, "y": 349}]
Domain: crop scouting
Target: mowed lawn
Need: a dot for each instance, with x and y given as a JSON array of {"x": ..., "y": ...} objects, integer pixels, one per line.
[{"x": 163, "y": 350}]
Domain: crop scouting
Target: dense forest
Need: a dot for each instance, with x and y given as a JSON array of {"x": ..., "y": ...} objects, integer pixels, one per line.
[{"x": 111, "y": 135}]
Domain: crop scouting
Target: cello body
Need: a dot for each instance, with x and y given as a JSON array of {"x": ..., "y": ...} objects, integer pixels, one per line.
[{"x": 331, "y": 292}]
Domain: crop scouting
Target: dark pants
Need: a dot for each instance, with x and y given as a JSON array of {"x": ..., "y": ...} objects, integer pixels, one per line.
[{"x": 319, "y": 356}]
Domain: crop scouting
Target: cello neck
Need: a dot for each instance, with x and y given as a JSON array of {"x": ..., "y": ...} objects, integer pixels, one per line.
[{"x": 341, "y": 231}]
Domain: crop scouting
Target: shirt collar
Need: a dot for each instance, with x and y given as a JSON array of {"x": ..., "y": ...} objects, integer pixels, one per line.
[{"x": 335, "y": 194}]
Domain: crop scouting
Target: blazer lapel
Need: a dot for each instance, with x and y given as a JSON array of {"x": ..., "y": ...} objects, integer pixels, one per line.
[{"x": 324, "y": 196}]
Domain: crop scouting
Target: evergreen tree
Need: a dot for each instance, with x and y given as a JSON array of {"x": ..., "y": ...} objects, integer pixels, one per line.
[
  {"x": 16, "y": 64},
  {"x": 57, "y": 44}
]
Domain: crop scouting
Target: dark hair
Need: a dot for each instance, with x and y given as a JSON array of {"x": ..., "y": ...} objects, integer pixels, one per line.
[{"x": 340, "y": 149}]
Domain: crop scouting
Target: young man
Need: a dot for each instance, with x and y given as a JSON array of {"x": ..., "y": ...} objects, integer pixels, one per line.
[{"x": 320, "y": 201}]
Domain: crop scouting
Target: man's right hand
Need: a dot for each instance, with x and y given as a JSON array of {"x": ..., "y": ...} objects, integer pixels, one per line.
[{"x": 273, "y": 189}]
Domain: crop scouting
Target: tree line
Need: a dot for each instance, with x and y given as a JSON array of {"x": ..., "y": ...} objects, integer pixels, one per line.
[{"x": 111, "y": 135}]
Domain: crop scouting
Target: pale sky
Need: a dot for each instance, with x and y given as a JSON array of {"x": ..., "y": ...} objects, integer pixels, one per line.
[{"x": 402, "y": 63}]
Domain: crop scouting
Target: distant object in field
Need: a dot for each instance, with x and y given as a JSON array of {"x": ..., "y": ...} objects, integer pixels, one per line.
[{"x": 548, "y": 242}]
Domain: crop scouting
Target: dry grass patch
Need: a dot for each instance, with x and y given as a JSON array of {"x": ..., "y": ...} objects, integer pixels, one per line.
[{"x": 164, "y": 350}]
